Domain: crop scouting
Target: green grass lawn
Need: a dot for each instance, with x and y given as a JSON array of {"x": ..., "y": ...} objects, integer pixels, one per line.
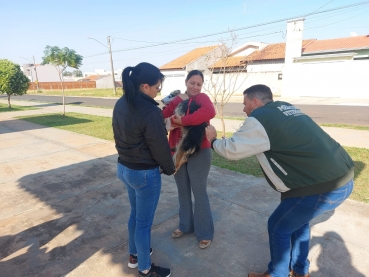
[
  {"x": 91, "y": 92},
  {"x": 92, "y": 125},
  {"x": 100, "y": 127},
  {"x": 14, "y": 108},
  {"x": 346, "y": 126}
]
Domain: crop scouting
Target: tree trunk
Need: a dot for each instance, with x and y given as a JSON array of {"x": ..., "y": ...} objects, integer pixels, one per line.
[
  {"x": 9, "y": 101},
  {"x": 61, "y": 83},
  {"x": 222, "y": 118},
  {"x": 223, "y": 126},
  {"x": 63, "y": 99}
]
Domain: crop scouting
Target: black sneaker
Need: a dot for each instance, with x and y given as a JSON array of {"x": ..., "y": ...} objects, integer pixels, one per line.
[
  {"x": 132, "y": 263},
  {"x": 156, "y": 271}
]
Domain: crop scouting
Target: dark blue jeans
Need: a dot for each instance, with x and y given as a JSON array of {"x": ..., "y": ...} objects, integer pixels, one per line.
[
  {"x": 143, "y": 188},
  {"x": 289, "y": 229}
]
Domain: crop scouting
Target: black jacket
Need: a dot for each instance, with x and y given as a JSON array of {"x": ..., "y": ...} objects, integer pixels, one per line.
[{"x": 140, "y": 135}]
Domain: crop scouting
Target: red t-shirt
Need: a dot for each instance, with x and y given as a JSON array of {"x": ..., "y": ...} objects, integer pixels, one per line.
[{"x": 203, "y": 114}]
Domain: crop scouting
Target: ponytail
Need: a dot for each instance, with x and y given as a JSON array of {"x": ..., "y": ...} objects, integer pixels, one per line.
[
  {"x": 134, "y": 77},
  {"x": 128, "y": 87}
]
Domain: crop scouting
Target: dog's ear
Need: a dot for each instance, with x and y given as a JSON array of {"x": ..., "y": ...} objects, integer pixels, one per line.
[{"x": 182, "y": 108}]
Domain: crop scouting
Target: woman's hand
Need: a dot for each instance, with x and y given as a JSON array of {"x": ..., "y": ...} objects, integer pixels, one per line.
[{"x": 176, "y": 120}]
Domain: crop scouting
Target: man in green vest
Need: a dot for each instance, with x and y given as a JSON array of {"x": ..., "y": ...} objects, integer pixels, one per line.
[{"x": 313, "y": 173}]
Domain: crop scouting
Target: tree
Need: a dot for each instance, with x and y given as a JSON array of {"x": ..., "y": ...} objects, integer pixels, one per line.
[
  {"x": 61, "y": 59},
  {"x": 67, "y": 73},
  {"x": 77, "y": 73},
  {"x": 12, "y": 79},
  {"x": 225, "y": 76}
]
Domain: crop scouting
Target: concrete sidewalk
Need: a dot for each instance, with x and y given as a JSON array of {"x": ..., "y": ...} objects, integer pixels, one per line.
[{"x": 63, "y": 213}]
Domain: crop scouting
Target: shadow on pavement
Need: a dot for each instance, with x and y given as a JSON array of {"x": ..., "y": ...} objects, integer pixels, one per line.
[
  {"x": 333, "y": 257},
  {"x": 64, "y": 217},
  {"x": 72, "y": 220}
]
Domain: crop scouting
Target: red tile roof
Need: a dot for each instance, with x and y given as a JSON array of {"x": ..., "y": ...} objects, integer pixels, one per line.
[
  {"x": 274, "y": 51},
  {"x": 327, "y": 45},
  {"x": 231, "y": 62},
  {"x": 93, "y": 77},
  {"x": 189, "y": 57}
]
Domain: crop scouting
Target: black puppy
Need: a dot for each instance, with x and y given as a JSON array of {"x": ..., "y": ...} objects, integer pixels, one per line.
[{"x": 192, "y": 136}]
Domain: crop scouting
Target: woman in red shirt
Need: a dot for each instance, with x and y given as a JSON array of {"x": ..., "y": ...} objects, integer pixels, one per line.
[{"x": 193, "y": 175}]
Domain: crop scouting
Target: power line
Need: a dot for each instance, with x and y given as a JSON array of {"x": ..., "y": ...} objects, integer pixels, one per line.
[
  {"x": 319, "y": 8},
  {"x": 247, "y": 27},
  {"x": 238, "y": 29},
  {"x": 336, "y": 21},
  {"x": 178, "y": 50},
  {"x": 318, "y": 18},
  {"x": 153, "y": 41}
]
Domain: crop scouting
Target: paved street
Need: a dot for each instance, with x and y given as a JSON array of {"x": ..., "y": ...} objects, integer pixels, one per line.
[{"x": 341, "y": 111}]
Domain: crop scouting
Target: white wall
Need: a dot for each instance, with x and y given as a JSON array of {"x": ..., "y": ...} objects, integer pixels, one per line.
[
  {"x": 265, "y": 66},
  {"x": 45, "y": 73},
  {"x": 103, "y": 72},
  {"x": 245, "y": 80},
  {"x": 174, "y": 79},
  {"x": 106, "y": 82},
  {"x": 344, "y": 79},
  {"x": 295, "y": 29}
]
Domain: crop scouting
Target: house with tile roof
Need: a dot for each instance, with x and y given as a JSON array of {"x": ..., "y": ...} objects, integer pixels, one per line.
[
  {"x": 325, "y": 68},
  {"x": 175, "y": 71},
  {"x": 297, "y": 67},
  {"x": 311, "y": 67},
  {"x": 232, "y": 61},
  {"x": 264, "y": 64}
]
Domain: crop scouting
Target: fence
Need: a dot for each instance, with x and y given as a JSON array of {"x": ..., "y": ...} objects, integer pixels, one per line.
[{"x": 66, "y": 85}]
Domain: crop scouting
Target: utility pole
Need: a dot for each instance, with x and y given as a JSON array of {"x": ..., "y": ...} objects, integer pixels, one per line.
[
  {"x": 111, "y": 60},
  {"x": 111, "y": 65},
  {"x": 34, "y": 64}
]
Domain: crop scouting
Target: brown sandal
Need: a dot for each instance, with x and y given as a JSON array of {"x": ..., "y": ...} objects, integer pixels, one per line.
[
  {"x": 177, "y": 233},
  {"x": 204, "y": 243}
]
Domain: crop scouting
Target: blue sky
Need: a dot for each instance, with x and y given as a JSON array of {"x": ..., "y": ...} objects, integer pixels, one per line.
[{"x": 28, "y": 26}]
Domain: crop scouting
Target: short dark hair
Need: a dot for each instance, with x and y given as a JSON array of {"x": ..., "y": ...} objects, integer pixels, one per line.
[
  {"x": 194, "y": 73},
  {"x": 261, "y": 92},
  {"x": 143, "y": 73}
]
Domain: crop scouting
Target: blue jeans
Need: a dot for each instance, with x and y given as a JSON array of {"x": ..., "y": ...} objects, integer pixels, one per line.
[
  {"x": 143, "y": 188},
  {"x": 289, "y": 229}
]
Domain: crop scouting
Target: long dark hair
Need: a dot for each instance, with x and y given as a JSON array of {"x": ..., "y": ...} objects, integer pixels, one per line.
[
  {"x": 143, "y": 73},
  {"x": 193, "y": 73}
]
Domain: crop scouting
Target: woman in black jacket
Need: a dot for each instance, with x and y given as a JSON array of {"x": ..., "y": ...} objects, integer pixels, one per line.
[{"x": 141, "y": 141}]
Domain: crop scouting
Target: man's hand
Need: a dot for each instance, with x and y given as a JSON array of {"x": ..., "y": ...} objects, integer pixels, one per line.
[{"x": 211, "y": 133}]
